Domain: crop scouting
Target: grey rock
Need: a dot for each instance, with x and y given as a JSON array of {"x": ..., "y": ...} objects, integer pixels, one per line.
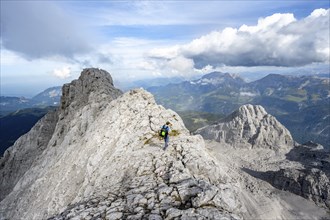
[
  {"x": 312, "y": 184},
  {"x": 250, "y": 126},
  {"x": 19, "y": 158},
  {"x": 104, "y": 160},
  {"x": 114, "y": 215},
  {"x": 93, "y": 85},
  {"x": 173, "y": 213},
  {"x": 304, "y": 172},
  {"x": 155, "y": 217}
]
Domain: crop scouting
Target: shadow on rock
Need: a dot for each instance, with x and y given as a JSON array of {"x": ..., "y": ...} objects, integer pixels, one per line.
[
  {"x": 311, "y": 155},
  {"x": 311, "y": 183}
]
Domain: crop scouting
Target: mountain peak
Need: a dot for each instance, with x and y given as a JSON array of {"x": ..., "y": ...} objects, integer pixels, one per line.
[
  {"x": 218, "y": 78},
  {"x": 250, "y": 125},
  {"x": 274, "y": 78},
  {"x": 93, "y": 85},
  {"x": 251, "y": 111},
  {"x": 221, "y": 75}
]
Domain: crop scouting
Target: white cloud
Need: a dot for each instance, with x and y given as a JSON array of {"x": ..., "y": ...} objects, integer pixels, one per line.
[
  {"x": 146, "y": 65},
  {"x": 181, "y": 64},
  {"x": 167, "y": 53},
  {"x": 63, "y": 73},
  {"x": 319, "y": 12},
  {"x": 274, "y": 22},
  {"x": 276, "y": 40}
]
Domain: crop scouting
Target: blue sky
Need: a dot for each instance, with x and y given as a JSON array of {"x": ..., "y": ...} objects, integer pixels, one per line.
[{"x": 45, "y": 44}]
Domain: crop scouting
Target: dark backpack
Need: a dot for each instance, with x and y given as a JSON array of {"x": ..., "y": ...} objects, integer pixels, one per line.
[{"x": 163, "y": 132}]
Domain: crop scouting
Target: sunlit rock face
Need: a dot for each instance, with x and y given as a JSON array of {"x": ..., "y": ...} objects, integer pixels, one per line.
[
  {"x": 250, "y": 126},
  {"x": 99, "y": 155}
]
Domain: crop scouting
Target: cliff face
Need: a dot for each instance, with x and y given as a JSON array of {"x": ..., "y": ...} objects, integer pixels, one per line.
[
  {"x": 250, "y": 126},
  {"x": 27, "y": 149},
  {"x": 99, "y": 155}
]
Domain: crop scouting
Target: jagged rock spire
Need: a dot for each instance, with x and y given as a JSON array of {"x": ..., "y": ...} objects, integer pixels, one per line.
[{"x": 93, "y": 85}]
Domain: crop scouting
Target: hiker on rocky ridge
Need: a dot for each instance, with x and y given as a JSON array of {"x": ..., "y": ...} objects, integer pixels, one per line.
[{"x": 164, "y": 133}]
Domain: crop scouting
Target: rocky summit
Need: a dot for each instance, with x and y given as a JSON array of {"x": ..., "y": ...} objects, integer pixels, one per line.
[
  {"x": 249, "y": 126},
  {"x": 99, "y": 156}
]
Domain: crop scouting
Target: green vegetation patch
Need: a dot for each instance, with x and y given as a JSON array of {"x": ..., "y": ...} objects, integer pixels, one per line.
[
  {"x": 292, "y": 98},
  {"x": 194, "y": 120},
  {"x": 174, "y": 133}
]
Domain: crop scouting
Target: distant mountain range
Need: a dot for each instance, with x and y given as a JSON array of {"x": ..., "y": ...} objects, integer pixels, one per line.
[
  {"x": 49, "y": 97},
  {"x": 19, "y": 114},
  {"x": 301, "y": 103}
]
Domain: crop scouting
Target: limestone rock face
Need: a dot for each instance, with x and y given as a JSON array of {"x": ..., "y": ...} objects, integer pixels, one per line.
[
  {"x": 100, "y": 156},
  {"x": 252, "y": 126}
]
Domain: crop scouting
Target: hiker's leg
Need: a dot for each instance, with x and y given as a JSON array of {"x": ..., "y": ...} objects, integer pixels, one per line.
[{"x": 166, "y": 142}]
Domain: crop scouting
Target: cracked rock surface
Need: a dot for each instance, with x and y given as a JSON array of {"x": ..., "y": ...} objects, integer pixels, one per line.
[{"x": 100, "y": 157}]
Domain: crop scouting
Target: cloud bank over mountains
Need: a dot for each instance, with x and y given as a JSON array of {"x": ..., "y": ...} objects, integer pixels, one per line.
[{"x": 277, "y": 40}]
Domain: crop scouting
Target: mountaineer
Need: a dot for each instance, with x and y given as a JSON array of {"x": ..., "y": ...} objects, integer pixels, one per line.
[{"x": 164, "y": 133}]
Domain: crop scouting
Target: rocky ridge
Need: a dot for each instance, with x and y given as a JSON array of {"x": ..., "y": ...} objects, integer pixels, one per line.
[
  {"x": 100, "y": 156},
  {"x": 301, "y": 169}
]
